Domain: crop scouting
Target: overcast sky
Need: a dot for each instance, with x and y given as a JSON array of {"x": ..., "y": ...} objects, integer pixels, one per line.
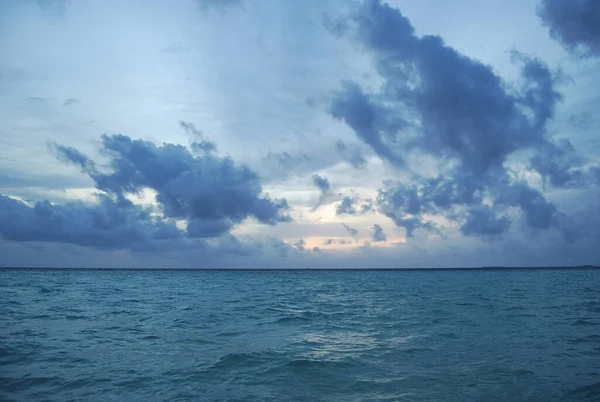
[{"x": 275, "y": 133}]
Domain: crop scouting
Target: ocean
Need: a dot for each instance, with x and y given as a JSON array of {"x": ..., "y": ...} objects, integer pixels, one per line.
[{"x": 493, "y": 335}]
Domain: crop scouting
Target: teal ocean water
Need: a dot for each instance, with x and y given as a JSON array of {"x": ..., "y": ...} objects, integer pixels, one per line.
[{"x": 300, "y": 335}]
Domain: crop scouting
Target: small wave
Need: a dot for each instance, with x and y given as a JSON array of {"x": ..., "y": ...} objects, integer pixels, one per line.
[
  {"x": 587, "y": 392},
  {"x": 83, "y": 383},
  {"x": 584, "y": 323},
  {"x": 45, "y": 291},
  {"x": 292, "y": 320},
  {"x": 230, "y": 334},
  {"x": 234, "y": 361},
  {"x": 76, "y": 317},
  {"x": 199, "y": 341},
  {"x": 585, "y": 339}
]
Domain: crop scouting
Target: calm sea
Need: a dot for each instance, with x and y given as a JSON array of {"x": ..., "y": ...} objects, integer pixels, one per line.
[{"x": 300, "y": 335}]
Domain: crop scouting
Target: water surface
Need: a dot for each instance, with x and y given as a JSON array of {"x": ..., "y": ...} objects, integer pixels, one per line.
[{"x": 300, "y": 335}]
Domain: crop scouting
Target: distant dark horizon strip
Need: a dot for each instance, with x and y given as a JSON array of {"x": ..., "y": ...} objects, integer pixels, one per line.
[{"x": 491, "y": 268}]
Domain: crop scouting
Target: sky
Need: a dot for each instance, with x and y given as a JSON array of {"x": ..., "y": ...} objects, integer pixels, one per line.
[{"x": 288, "y": 134}]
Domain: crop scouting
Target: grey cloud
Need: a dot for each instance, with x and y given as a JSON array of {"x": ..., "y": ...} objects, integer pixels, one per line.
[
  {"x": 467, "y": 117},
  {"x": 378, "y": 235},
  {"x": 353, "y": 206},
  {"x": 574, "y": 23},
  {"x": 351, "y": 231},
  {"x": 212, "y": 194},
  {"x": 300, "y": 245},
  {"x": 109, "y": 224},
  {"x": 324, "y": 187},
  {"x": 406, "y": 204},
  {"x": 467, "y": 113},
  {"x": 367, "y": 119},
  {"x": 538, "y": 212},
  {"x": 199, "y": 144},
  {"x": 340, "y": 241},
  {"x": 321, "y": 183},
  {"x": 558, "y": 163},
  {"x": 345, "y": 207},
  {"x": 481, "y": 220}
]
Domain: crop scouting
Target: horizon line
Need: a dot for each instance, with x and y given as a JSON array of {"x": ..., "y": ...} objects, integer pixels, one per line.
[{"x": 479, "y": 268}]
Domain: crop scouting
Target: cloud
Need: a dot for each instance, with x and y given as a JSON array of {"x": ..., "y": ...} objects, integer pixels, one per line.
[
  {"x": 324, "y": 187},
  {"x": 362, "y": 115},
  {"x": 300, "y": 245},
  {"x": 198, "y": 144},
  {"x": 438, "y": 102},
  {"x": 481, "y": 220},
  {"x": 378, "y": 235},
  {"x": 353, "y": 206},
  {"x": 351, "y": 231},
  {"x": 211, "y": 193},
  {"x": 575, "y": 24},
  {"x": 109, "y": 224},
  {"x": 558, "y": 163}
]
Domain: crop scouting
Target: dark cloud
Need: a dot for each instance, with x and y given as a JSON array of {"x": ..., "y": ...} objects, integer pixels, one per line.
[
  {"x": 574, "y": 23},
  {"x": 366, "y": 118},
  {"x": 353, "y": 206},
  {"x": 481, "y": 220},
  {"x": 378, "y": 235},
  {"x": 300, "y": 245},
  {"x": 407, "y": 204},
  {"x": 321, "y": 183},
  {"x": 538, "y": 212},
  {"x": 463, "y": 114},
  {"x": 324, "y": 187},
  {"x": 558, "y": 163},
  {"x": 211, "y": 193},
  {"x": 351, "y": 231},
  {"x": 109, "y": 224}
]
